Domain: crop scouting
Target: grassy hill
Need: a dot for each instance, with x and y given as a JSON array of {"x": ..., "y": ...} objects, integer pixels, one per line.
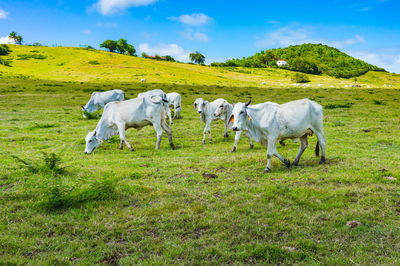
[
  {"x": 79, "y": 64},
  {"x": 59, "y": 206},
  {"x": 309, "y": 58}
]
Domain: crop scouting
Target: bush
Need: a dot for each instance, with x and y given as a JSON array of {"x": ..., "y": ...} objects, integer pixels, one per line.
[
  {"x": 93, "y": 62},
  {"x": 4, "y": 49},
  {"x": 300, "y": 78},
  {"x": 5, "y": 62}
]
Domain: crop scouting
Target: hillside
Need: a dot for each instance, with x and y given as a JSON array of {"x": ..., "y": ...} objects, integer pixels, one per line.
[
  {"x": 309, "y": 58},
  {"x": 83, "y": 65}
]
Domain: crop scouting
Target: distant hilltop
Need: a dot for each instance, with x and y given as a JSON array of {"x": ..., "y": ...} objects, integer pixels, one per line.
[{"x": 307, "y": 58}]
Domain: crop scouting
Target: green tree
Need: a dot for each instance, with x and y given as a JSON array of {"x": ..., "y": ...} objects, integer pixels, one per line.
[
  {"x": 110, "y": 45},
  {"x": 144, "y": 55},
  {"x": 13, "y": 35},
  {"x": 18, "y": 39},
  {"x": 169, "y": 58},
  {"x": 131, "y": 50},
  {"x": 122, "y": 46},
  {"x": 197, "y": 58},
  {"x": 267, "y": 57}
]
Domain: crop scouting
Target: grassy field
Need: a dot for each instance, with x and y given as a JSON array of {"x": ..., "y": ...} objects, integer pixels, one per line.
[{"x": 157, "y": 206}]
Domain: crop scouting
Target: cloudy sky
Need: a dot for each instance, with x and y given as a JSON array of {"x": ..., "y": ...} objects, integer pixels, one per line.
[{"x": 366, "y": 29}]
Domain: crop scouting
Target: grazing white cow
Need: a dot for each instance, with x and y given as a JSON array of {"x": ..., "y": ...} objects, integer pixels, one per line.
[
  {"x": 164, "y": 97},
  {"x": 207, "y": 114},
  {"x": 136, "y": 113},
  {"x": 174, "y": 99},
  {"x": 99, "y": 99},
  {"x": 143, "y": 80},
  {"x": 269, "y": 122}
]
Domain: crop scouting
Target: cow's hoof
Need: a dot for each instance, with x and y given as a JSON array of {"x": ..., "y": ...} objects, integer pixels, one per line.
[
  {"x": 267, "y": 170},
  {"x": 322, "y": 161},
  {"x": 282, "y": 143},
  {"x": 173, "y": 146},
  {"x": 287, "y": 163},
  {"x": 131, "y": 149},
  {"x": 226, "y": 135},
  {"x": 251, "y": 146},
  {"x": 203, "y": 142},
  {"x": 233, "y": 149},
  {"x": 295, "y": 163},
  {"x": 120, "y": 147}
]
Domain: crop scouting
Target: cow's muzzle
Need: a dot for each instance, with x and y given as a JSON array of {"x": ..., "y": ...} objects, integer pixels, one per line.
[
  {"x": 235, "y": 128},
  {"x": 200, "y": 112}
]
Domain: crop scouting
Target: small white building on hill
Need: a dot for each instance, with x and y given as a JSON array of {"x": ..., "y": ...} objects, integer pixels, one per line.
[{"x": 280, "y": 63}]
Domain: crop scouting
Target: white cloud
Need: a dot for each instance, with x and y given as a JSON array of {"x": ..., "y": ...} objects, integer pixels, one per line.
[
  {"x": 340, "y": 44},
  {"x": 196, "y": 19},
  {"x": 107, "y": 25},
  {"x": 197, "y": 36},
  {"x": 3, "y": 14},
  {"x": 108, "y": 7},
  {"x": 172, "y": 49},
  {"x": 292, "y": 35},
  {"x": 87, "y": 31},
  {"x": 6, "y": 40},
  {"x": 389, "y": 60}
]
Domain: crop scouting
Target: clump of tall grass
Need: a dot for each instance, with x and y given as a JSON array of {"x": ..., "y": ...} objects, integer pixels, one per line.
[{"x": 60, "y": 189}]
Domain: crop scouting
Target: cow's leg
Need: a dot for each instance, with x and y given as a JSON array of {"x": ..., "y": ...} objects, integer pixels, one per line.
[
  {"x": 168, "y": 130},
  {"x": 237, "y": 138},
  {"x": 272, "y": 151},
  {"x": 322, "y": 144},
  {"x": 204, "y": 134},
  {"x": 158, "y": 129},
  {"x": 251, "y": 142},
  {"x": 121, "y": 130},
  {"x": 168, "y": 110},
  {"x": 303, "y": 146},
  {"x": 209, "y": 130}
]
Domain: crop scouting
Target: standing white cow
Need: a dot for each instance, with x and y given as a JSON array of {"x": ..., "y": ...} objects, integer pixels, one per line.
[
  {"x": 269, "y": 122},
  {"x": 143, "y": 80},
  {"x": 99, "y": 99},
  {"x": 207, "y": 114},
  {"x": 174, "y": 99},
  {"x": 164, "y": 97},
  {"x": 134, "y": 113}
]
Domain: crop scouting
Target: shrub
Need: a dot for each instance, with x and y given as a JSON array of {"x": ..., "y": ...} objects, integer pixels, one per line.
[
  {"x": 5, "y": 62},
  {"x": 94, "y": 62},
  {"x": 300, "y": 78},
  {"x": 4, "y": 49}
]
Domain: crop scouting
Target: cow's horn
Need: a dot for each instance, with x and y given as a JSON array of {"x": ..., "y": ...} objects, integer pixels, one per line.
[
  {"x": 233, "y": 103},
  {"x": 248, "y": 102},
  {"x": 88, "y": 131}
]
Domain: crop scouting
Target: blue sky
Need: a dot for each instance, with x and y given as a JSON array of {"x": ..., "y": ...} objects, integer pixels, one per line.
[{"x": 366, "y": 29}]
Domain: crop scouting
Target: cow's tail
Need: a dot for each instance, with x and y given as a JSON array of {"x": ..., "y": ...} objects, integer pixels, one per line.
[{"x": 317, "y": 149}]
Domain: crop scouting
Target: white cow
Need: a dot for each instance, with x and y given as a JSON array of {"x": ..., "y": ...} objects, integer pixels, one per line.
[
  {"x": 136, "y": 113},
  {"x": 99, "y": 99},
  {"x": 174, "y": 99},
  {"x": 143, "y": 80},
  {"x": 269, "y": 122},
  {"x": 164, "y": 97},
  {"x": 225, "y": 109},
  {"x": 207, "y": 114}
]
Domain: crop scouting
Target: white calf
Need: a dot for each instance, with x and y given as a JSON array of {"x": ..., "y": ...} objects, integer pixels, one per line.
[
  {"x": 99, "y": 99},
  {"x": 174, "y": 99}
]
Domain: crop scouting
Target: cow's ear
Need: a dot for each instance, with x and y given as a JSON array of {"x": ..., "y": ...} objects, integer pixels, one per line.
[
  {"x": 230, "y": 121},
  {"x": 83, "y": 108},
  {"x": 249, "y": 116},
  {"x": 88, "y": 131},
  {"x": 194, "y": 105}
]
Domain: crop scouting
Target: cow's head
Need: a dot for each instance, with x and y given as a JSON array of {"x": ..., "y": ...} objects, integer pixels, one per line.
[
  {"x": 199, "y": 104},
  {"x": 222, "y": 108},
  {"x": 92, "y": 142},
  {"x": 239, "y": 116}
]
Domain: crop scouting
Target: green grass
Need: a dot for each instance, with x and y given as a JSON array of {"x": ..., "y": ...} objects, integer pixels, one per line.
[{"x": 161, "y": 206}]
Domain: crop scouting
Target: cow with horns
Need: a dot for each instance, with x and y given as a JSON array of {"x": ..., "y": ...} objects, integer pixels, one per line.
[{"x": 270, "y": 122}]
